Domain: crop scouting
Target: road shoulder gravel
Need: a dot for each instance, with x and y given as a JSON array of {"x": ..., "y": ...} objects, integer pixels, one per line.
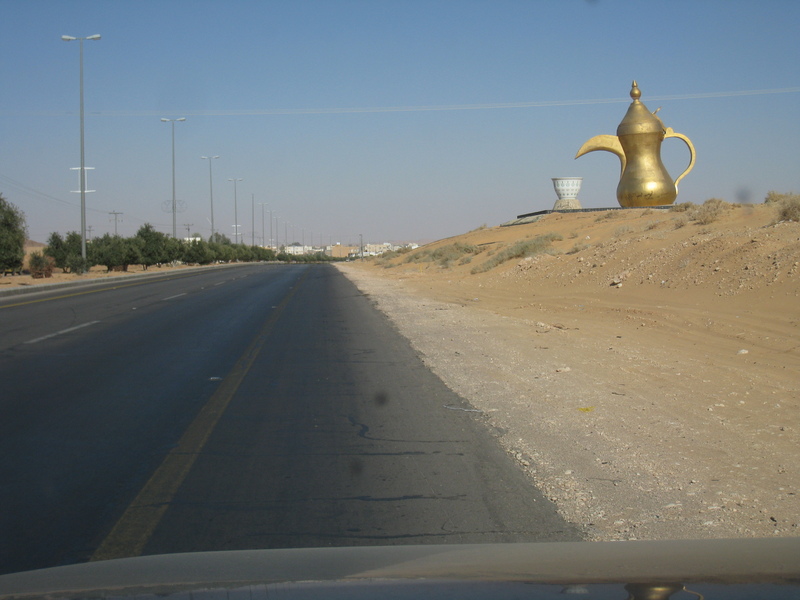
[{"x": 616, "y": 437}]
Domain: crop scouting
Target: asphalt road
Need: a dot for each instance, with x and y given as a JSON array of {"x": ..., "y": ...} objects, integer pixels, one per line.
[{"x": 260, "y": 406}]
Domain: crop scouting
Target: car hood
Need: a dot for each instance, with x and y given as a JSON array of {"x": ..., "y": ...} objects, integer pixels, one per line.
[{"x": 638, "y": 569}]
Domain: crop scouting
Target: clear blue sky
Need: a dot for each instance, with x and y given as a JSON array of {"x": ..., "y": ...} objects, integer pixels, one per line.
[{"x": 398, "y": 120}]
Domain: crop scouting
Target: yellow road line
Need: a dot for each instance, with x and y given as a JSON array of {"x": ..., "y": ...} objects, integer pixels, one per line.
[{"x": 137, "y": 524}]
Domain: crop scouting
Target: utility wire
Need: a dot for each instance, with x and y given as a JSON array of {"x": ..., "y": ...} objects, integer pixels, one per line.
[
  {"x": 42, "y": 196},
  {"x": 388, "y": 109}
]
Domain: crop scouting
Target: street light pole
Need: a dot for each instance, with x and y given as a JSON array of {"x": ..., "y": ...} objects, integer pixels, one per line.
[
  {"x": 235, "y": 211},
  {"x": 69, "y": 38},
  {"x": 211, "y": 190},
  {"x": 263, "y": 239},
  {"x": 174, "y": 204}
]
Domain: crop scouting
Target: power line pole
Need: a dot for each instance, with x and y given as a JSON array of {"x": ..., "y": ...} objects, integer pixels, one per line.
[
  {"x": 83, "y": 190},
  {"x": 89, "y": 228},
  {"x": 174, "y": 201},
  {"x": 253, "y": 219},
  {"x": 188, "y": 227},
  {"x": 116, "y": 214}
]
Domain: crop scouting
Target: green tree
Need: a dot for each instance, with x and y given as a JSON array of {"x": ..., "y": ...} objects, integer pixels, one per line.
[
  {"x": 12, "y": 236},
  {"x": 220, "y": 238},
  {"x": 260, "y": 253},
  {"x": 243, "y": 253},
  {"x": 113, "y": 251},
  {"x": 223, "y": 252},
  {"x": 197, "y": 252},
  {"x": 76, "y": 264},
  {"x": 66, "y": 253},
  {"x": 73, "y": 242},
  {"x": 173, "y": 250},
  {"x": 40, "y": 265},
  {"x": 57, "y": 249},
  {"x": 152, "y": 245}
]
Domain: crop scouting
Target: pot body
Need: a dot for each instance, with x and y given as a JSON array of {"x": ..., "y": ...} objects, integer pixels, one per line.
[{"x": 644, "y": 180}]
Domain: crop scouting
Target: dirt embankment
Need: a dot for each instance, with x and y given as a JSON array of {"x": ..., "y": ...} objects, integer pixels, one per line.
[{"x": 644, "y": 369}]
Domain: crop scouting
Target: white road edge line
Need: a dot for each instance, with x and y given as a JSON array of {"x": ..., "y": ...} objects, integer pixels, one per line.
[
  {"x": 69, "y": 329},
  {"x": 173, "y": 297}
]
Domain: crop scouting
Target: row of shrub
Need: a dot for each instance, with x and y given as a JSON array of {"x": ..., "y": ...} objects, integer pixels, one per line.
[{"x": 147, "y": 248}]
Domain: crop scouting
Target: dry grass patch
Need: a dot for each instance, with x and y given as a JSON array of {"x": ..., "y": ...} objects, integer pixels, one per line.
[
  {"x": 709, "y": 211},
  {"x": 579, "y": 247},
  {"x": 788, "y": 205},
  {"x": 444, "y": 256},
  {"x": 611, "y": 214},
  {"x": 539, "y": 244},
  {"x": 622, "y": 230},
  {"x": 682, "y": 207}
]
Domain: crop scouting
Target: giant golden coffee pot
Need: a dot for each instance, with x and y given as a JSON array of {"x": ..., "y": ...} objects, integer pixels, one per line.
[{"x": 644, "y": 180}]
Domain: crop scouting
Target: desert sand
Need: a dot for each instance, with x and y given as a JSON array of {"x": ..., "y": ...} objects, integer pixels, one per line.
[{"x": 644, "y": 371}]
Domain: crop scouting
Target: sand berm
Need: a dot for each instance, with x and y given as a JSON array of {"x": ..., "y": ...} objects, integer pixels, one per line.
[{"x": 642, "y": 366}]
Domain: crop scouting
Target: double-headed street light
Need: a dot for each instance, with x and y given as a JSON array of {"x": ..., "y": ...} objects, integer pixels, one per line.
[
  {"x": 210, "y": 190},
  {"x": 174, "y": 204},
  {"x": 235, "y": 212},
  {"x": 69, "y": 38}
]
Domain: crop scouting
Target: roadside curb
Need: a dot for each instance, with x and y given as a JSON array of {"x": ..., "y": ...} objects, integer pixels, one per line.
[{"x": 47, "y": 287}]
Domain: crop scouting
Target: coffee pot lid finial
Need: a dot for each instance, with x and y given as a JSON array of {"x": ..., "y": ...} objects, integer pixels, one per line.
[
  {"x": 638, "y": 119},
  {"x": 636, "y": 93}
]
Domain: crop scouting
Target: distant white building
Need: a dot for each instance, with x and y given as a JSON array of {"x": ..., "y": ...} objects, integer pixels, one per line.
[
  {"x": 299, "y": 250},
  {"x": 378, "y": 249},
  {"x": 339, "y": 250}
]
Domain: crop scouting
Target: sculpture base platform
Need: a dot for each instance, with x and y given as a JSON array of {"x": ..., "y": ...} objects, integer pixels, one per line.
[
  {"x": 535, "y": 216},
  {"x": 567, "y": 204}
]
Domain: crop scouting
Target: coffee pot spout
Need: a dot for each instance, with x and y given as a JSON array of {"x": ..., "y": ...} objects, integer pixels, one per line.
[{"x": 609, "y": 143}]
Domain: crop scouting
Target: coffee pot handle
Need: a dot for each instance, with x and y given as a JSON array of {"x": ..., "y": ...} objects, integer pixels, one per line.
[{"x": 671, "y": 134}]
